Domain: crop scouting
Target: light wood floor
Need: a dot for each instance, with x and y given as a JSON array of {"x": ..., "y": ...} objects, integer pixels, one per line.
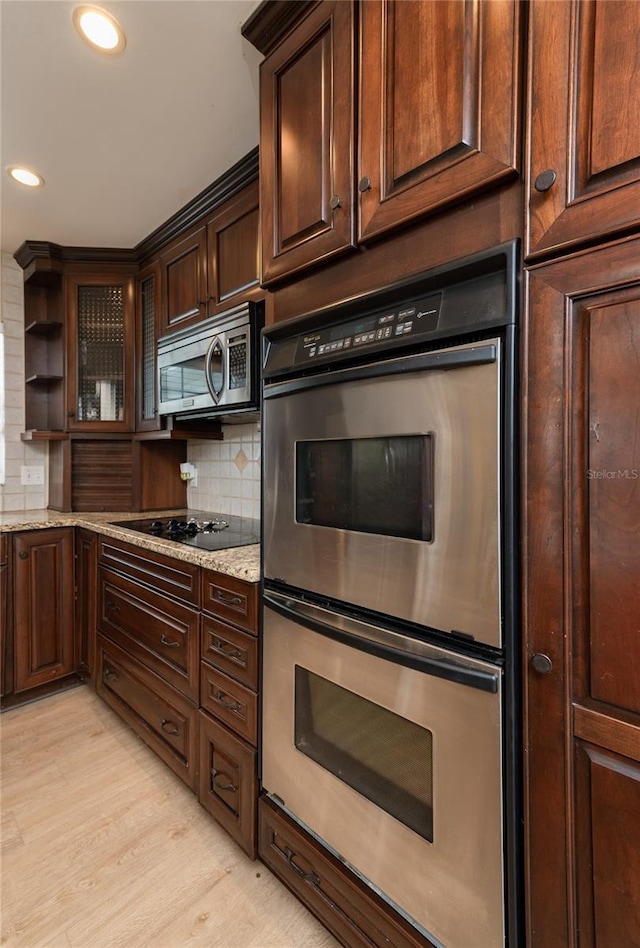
[{"x": 103, "y": 847}]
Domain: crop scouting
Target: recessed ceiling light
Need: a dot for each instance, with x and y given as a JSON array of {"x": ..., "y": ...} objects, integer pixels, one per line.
[
  {"x": 99, "y": 29},
  {"x": 25, "y": 176}
]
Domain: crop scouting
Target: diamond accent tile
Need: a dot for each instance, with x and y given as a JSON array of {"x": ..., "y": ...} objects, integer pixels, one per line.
[{"x": 241, "y": 460}]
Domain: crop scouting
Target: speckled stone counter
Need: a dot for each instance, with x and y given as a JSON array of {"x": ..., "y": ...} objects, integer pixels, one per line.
[{"x": 242, "y": 562}]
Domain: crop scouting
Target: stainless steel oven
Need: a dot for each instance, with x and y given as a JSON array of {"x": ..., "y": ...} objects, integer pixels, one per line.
[{"x": 390, "y": 699}]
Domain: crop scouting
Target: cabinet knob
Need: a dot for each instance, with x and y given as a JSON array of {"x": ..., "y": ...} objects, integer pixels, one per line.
[
  {"x": 169, "y": 727},
  {"x": 220, "y": 785},
  {"x": 541, "y": 663},
  {"x": 545, "y": 180},
  {"x": 364, "y": 184},
  {"x": 335, "y": 203},
  {"x": 23, "y": 555}
]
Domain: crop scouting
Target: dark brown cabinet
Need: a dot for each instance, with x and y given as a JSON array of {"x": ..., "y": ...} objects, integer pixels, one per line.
[
  {"x": 229, "y": 705},
  {"x": 43, "y": 607},
  {"x": 581, "y": 562},
  {"x": 437, "y": 106},
  {"x": 147, "y": 317},
  {"x": 100, "y": 351},
  {"x": 583, "y": 122},
  {"x": 4, "y": 607},
  {"x": 149, "y": 649},
  {"x": 213, "y": 265},
  {"x": 307, "y": 144}
]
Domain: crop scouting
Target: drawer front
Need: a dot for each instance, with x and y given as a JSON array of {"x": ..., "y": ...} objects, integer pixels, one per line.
[
  {"x": 162, "y": 717},
  {"x": 231, "y": 599},
  {"x": 349, "y": 909},
  {"x": 161, "y": 573},
  {"x": 231, "y": 651},
  {"x": 161, "y": 633},
  {"x": 228, "y": 782},
  {"x": 230, "y": 702}
]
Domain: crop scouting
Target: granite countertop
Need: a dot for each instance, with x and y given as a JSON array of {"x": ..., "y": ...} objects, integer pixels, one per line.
[{"x": 242, "y": 562}]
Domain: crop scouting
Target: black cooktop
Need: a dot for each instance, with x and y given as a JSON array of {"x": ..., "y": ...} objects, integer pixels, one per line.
[{"x": 198, "y": 528}]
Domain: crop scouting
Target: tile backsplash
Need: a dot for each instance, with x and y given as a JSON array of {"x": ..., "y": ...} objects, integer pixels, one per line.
[{"x": 228, "y": 472}]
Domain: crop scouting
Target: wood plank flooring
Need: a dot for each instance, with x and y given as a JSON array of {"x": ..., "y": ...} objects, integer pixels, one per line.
[{"x": 103, "y": 847}]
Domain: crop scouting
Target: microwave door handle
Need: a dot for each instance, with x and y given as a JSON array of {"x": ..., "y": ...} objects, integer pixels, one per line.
[
  {"x": 386, "y": 644},
  {"x": 216, "y": 347}
]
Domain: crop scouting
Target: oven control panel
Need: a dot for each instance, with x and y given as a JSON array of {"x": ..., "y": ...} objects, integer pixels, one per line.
[{"x": 379, "y": 330}]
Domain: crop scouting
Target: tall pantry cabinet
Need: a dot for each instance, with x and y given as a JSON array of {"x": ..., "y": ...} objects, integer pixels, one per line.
[{"x": 581, "y": 475}]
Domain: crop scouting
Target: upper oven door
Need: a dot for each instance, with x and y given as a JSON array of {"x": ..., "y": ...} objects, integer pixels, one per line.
[{"x": 382, "y": 487}]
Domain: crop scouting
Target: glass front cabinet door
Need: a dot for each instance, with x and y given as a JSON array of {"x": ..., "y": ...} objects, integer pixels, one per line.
[{"x": 100, "y": 352}]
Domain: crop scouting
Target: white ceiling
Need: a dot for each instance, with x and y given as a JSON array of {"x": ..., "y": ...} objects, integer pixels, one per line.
[{"x": 122, "y": 142}]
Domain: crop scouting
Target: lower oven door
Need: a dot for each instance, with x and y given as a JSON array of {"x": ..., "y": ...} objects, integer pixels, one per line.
[{"x": 388, "y": 750}]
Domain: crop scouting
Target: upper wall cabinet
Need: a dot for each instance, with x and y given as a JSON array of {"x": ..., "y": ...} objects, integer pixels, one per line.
[
  {"x": 100, "y": 346},
  {"x": 213, "y": 266},
  {"x": 437, "y": 120},
  {"x": 306, "y": 142},
  {"x": 583, "y": 118},
  {"x": 438, "y": 105}
]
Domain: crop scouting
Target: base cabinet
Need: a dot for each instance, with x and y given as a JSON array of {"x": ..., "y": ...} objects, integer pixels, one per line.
[
  {"x": 349, "y": 909},
  {"x": 228, "y": 784},
  {"x": 160, "y": 715},
  {"x": 43, "y": 598}
]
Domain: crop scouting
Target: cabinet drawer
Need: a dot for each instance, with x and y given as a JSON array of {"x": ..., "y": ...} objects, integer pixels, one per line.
[
  {"x": 228, "y": 782},
  {"x": 157, "y": 631},
  {"x": 231, "y": 599},
  {"x": 161, "y": 573},
  {"x": 229, "y": 701},
  {"x": 230, "y": 650},
  {"x": 348, "y": 908},
  {"x": 162, "y": 717}
]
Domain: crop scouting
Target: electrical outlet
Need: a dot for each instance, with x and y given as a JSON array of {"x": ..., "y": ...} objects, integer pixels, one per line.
[{"x": 31, "y": 476}]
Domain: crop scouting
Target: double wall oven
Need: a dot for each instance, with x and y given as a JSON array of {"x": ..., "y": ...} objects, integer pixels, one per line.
[{"x": 390, "y": 622}]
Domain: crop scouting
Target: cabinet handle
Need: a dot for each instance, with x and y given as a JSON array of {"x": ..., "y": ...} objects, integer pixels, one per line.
[
  {"x": 224, "y": 648},
  {"x": 169, "y": 642},
  {"x": 225, "y": 700},
  {"x": 112, "y": 606},
  {"x": 227, "y": 600},
  {"x": 545, "y": 180},
  {"x": 335, "y": 203},
  {"x": 541, "y": 663},
  {"x": 23, "y": 555},
  {"x": 171, "y": 729},
  {"x": 364, "y": 184},
  {"x": 306, "y": 876},
  {"x": 110, "y": 675},
  {"x": 222, "y": 786}
]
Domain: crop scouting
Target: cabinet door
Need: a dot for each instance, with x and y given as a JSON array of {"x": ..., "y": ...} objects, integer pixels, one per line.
[
  {"x": 306, "y": 143},
  {"x": 184, "y": 291},
  {"x": 228, "y": 783},
  {"x": 583, "y": 118},
  {"x": 43, "y": 599},
  {"x": 581, "y": 563},
  {"x": 4, "y": 606},
  {"x": 100, "y": 352},
  {"x": 438, "y": 105},
  {"x": 232, "y": 247}
]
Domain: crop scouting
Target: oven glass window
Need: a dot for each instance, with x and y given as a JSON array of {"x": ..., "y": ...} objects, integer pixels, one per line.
[
  {"x": 185, "y": 380},
  {"x": 385, "y": 757},
  {"x": 372, "y": 485}
]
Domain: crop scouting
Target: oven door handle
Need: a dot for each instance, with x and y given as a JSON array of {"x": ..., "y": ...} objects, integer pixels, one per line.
[
  {"x": 387, "y": 644},
  {"x": 458, "y": 358}
]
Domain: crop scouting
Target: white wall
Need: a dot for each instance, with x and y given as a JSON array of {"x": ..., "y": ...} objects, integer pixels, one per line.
[
  {"x": 13, "y": 495},
  {"x": 228, "y": 470}
]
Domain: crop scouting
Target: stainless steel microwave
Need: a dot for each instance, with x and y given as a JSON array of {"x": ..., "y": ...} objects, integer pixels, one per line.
[{"x": 211, "y": 369}]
